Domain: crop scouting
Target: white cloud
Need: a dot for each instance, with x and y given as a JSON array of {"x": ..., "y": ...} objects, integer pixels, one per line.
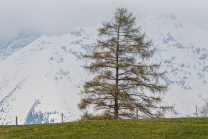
[{"x": 56, "y": 17}]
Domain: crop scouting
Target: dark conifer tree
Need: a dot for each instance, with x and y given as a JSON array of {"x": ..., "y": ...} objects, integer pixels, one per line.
[{"x": 122, "y": 75}]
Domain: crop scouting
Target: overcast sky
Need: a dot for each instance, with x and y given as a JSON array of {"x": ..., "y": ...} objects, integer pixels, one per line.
[{"x": 56, "y": 17}]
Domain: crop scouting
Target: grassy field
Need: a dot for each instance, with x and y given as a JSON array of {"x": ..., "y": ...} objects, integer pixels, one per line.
[{"x": 142, "y": 128}]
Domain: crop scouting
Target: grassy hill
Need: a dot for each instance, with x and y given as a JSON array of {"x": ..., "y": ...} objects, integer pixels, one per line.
[{"x": 142, "y": 128}]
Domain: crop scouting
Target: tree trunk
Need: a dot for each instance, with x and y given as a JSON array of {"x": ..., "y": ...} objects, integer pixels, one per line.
[{"x": 116, "y": 92}]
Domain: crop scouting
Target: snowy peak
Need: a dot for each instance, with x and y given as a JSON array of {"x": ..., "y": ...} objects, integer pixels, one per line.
[{"x": 172, "y": 29}]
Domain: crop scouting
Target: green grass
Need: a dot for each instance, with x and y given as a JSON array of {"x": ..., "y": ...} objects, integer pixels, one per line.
[{"x": 143, "y": 128}]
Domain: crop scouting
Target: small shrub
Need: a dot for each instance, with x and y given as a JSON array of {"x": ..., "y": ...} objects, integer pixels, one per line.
[
  {"x": 103, "y": 116},
  {"x": 203, "y": 111}
]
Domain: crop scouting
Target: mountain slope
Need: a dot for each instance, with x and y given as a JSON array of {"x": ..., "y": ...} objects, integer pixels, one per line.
[
  {"x": 182, "y": 49},
  {"x": 43, "y": 79},
  {"x": 14, "y": 45}
]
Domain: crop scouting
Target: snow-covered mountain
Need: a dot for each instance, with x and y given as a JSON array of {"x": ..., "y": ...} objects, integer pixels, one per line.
[{"x": 40, "y": 78}]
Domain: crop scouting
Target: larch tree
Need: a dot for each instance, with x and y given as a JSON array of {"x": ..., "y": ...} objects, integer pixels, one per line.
[{"x": 123, "y": 81}]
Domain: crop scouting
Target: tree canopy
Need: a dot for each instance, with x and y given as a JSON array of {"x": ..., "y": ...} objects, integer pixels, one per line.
[{"x": 123, "y": 80}]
